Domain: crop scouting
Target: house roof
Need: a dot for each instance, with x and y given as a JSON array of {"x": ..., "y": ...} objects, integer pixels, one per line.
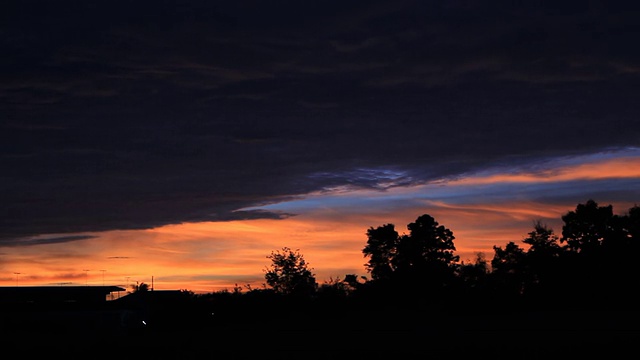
[{"x": 49, "y": 294}]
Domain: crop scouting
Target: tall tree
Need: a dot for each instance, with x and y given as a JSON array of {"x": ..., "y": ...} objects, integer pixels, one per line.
[
  {"x": 426, "y": 253},
  {"x": 633, "y": 223},
  {"x": 543, "y": 273},
  {"x": 587, "y": 227},
  {"x": 508, "y": 270},
  {"x": 289, "y": 273},
  {"x": 428, "y": 250},
  {"x": 474, "y": 275},
  {"x": 624, "y": 236},
  {"x": 543, "y": 241},
  {"x": 381, "y": 248},
  {"x": 603, "y": 249}
]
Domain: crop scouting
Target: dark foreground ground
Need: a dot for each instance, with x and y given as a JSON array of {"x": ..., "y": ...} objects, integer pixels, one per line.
[{"x": 526, "y": 335}]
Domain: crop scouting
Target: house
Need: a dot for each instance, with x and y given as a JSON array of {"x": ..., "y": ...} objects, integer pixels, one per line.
[{"x": 51, "y": 295}]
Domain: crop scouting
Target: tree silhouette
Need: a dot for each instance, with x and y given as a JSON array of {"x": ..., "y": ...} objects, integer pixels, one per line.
[
  {"x": 590, "y": 234},
  {"x": 596, "y": 264},
  {"x": 475, "y": 273},
  {"x": 633, "y": 223},
  {"x": 474, "y": 280},
  {"x": 587, "y": 227},
  {"x": 381, "y": 248},
  {"x": 509, "y": 274},
  {"x": 142, "y": 287},
  {"x": 423, "y": 258},
  {"x": 289, "y": 273},
  {"x": 544, "y": 273},
  {"x": 543, "y": 241},
  {"x": 427, "y": 252},
  {"x": 341, "y": 287}
]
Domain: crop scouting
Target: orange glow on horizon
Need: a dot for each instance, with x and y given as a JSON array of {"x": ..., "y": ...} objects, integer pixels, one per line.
[{"x": 212, "y": 256}]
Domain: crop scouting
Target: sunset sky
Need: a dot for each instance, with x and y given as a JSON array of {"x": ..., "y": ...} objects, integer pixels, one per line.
[{"x": 179, "y": 143}]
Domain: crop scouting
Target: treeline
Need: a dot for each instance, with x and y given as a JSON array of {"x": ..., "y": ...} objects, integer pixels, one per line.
[
  {"x": 591, "y": 265},
  {"x": 569, "y": 293}
]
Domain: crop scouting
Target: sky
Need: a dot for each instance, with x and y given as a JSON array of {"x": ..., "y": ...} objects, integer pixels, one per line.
[{"x": 179, "y": 143}]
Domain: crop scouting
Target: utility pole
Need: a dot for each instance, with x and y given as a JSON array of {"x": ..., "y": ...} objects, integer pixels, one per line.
[
  {"x": 103, "y": 276},
  {"x": 17, "y": 274},
  {"x": 86, "y": 277}
]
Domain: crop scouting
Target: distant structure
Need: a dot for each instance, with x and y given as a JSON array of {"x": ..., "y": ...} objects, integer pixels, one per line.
[
  {"x": 55, "y": 314},
  {"x": 49, "y": 295}
]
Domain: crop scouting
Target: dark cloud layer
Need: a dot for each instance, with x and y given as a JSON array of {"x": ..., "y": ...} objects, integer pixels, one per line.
[{"x": 134, "y": 114}]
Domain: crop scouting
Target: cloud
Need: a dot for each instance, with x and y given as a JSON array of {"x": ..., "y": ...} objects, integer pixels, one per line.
[
  {"x": 195, "y": 112},
  {"x": 557, "y": 182},
  {"x": 45, "y": 240}
]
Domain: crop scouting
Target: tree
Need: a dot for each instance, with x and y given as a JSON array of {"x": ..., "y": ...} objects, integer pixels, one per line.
[
  {"x": 622, "y": 256},
  {"x": 381, "y": 248},
  {"x": 594, "y": 248},
  {"x": 473, "y": 277},
  {"x": 543, "y": 241},
  {"x": 633, "y": 223},
  {"x": 426, "y": 253},
  {"x": 474, "y": 273},
  {"x": 508, "y": 272},
  {"x": 340, "y": 288},
  {"x": 142, "y": 287},
  {"x": 587, "y": 227},
  {"x": 544, "y": 271},
  {"x": 289, "y": 273}
]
